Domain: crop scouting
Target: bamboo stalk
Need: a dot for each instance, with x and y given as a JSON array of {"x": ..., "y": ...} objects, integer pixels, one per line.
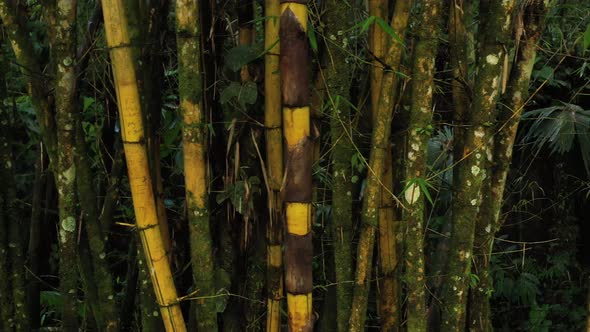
[
  {"x": 494, "y": 35},
  {"x": 195, "y": 158},
  {"x": 137, "y": 163},
  {"x": 421, "y": 111},
  {"x": 380, "y": 146},
  {"x": 274, "y": 165},
  {"x": 297, "y": 191}
]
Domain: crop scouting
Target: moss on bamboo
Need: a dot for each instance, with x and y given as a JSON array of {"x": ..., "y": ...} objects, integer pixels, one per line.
[
  {"x": 338, "y": 77},
  {"x": 102, "y": 277},
  {"x": 379, "y": 149},
  {"x": 195, "y": 161},
  {"x": 420, "y": 120},
  {"x": 65, "y": 99},
  {"x": 488, "y": 219},
  {"x": 471, "y": 171}
]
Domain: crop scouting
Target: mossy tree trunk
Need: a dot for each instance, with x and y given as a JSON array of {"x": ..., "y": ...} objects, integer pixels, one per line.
[
  {"x": 65, "y": 104},
  {"x": 338, "y": 17},
  {"x": 274, "y": 166},
  {"x": 494, "y": 36},
  {"x": 195, "y": 159},
  {"x": 297, "y": 191},
  {"x": 380, "y": 146},
  {"x": 420, "y": 128},
  {"x": 531, "y": 17}
]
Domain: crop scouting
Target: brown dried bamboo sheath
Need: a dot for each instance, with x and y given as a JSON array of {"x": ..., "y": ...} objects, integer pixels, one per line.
[{"x": 297, "y": 192}]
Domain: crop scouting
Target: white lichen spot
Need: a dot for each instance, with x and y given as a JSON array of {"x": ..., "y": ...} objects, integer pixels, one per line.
[
  {"x": 411, "y": 155},
  {"x": 467, "y": 254},
  {"x": 479, "y": 133},
  {"x": 488, "y": 228},
  {"x": 412, "y": 193},
  {"x": 110, "y": 297},
  {"x": 8, "y": 164},
  {"x": 102, "y": 255},
  {"x": 474, "y": 202},
  {"x": 156, "y": 314},
  {"x": 495, "y": 82},
  {"x": 69, "y": 174},
  {"x": 492, "y": 59},
  {"x": 332, "y": 37},
  {"x": 468, "y": 183},
  {"x": 69, "y": 224},
  {"x": 475, "y": 170},
  {"x": 478, "y": 155},
  {"x": 415, "y": 146},
  {"x": 72, "y": 291},
  {"x": 348, "y": 193}
]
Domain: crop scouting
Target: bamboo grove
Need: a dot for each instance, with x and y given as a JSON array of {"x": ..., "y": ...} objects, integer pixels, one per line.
[{"x": 242, "y": 165}]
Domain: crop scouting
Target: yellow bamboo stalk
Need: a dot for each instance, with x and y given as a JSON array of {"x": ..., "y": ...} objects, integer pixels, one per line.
[
  {"x": 132, "y": 130},
  {"x": 274, "y": 157}
]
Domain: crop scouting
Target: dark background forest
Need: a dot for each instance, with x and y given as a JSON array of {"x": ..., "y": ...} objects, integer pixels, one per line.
[{"x": 294, "y": 165}]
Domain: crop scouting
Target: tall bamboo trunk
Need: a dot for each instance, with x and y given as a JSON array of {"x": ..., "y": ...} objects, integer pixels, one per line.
[
  {"x": 380, "y": 147},
  {"x": 421, "y": 111},
  {"x": 297, "y": 191},
  {"x": 65, "y": 99},
  {"x": 338, "y": 78},
  {"x": 467, "y": 198},
  {"x": 389, "y": 287},
  {"x": 458, "y": 42},
  {"x": 195, "y": 158},
  {"x": 274, "y": 166},
  {"x": 137, "y": 163},
  {"x": 531, "y": 18}
]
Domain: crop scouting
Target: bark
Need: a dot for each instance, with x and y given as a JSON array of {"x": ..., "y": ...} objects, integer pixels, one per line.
[
  {"x": 531, "y": 17},
  {"x": 246, "y": 33},
  {"x": 494, "y": 36},
  {"x": 144, "y": 202},
  {"x": 420, "y": 122},
  {"x": 65, "y": 101},
  {"x": 297, "y": 191},
  {"x": 380, "y": 145},
  {"x": 195, "y": 159},
  {"x": 377, "y": 44},
  {"x": 338, "y": 17},
  {"x": 458, "y": 45},
  {"x": 102, "y": 277},
  {"x": 274, "y": 166}
]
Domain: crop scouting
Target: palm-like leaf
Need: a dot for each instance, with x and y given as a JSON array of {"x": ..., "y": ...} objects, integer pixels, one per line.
[{"x": 557, "y": 128}]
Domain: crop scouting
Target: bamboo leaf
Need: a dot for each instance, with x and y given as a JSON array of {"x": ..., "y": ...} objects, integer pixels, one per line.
[
  {"x": 313, "y": 41},
  {"x": 587, "y": 37},
  {"x": 389, "y": 30}
]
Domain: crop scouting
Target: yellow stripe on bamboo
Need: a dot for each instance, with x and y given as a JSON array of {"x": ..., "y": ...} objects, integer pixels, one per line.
[
  {"x": 299, "y": 307},
  {"x": 298, "y": 218},
  {"x": 300, "y": 11},
  {"x": 296, "y": 124}
]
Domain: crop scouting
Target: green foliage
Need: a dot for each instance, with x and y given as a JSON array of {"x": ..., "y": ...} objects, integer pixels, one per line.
[
  {"x": 241, "y": 55},
  {"x": 245, "y": 94},
  {"x": 240, "y": 194},
  {"x": 557, "y": 127}
]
